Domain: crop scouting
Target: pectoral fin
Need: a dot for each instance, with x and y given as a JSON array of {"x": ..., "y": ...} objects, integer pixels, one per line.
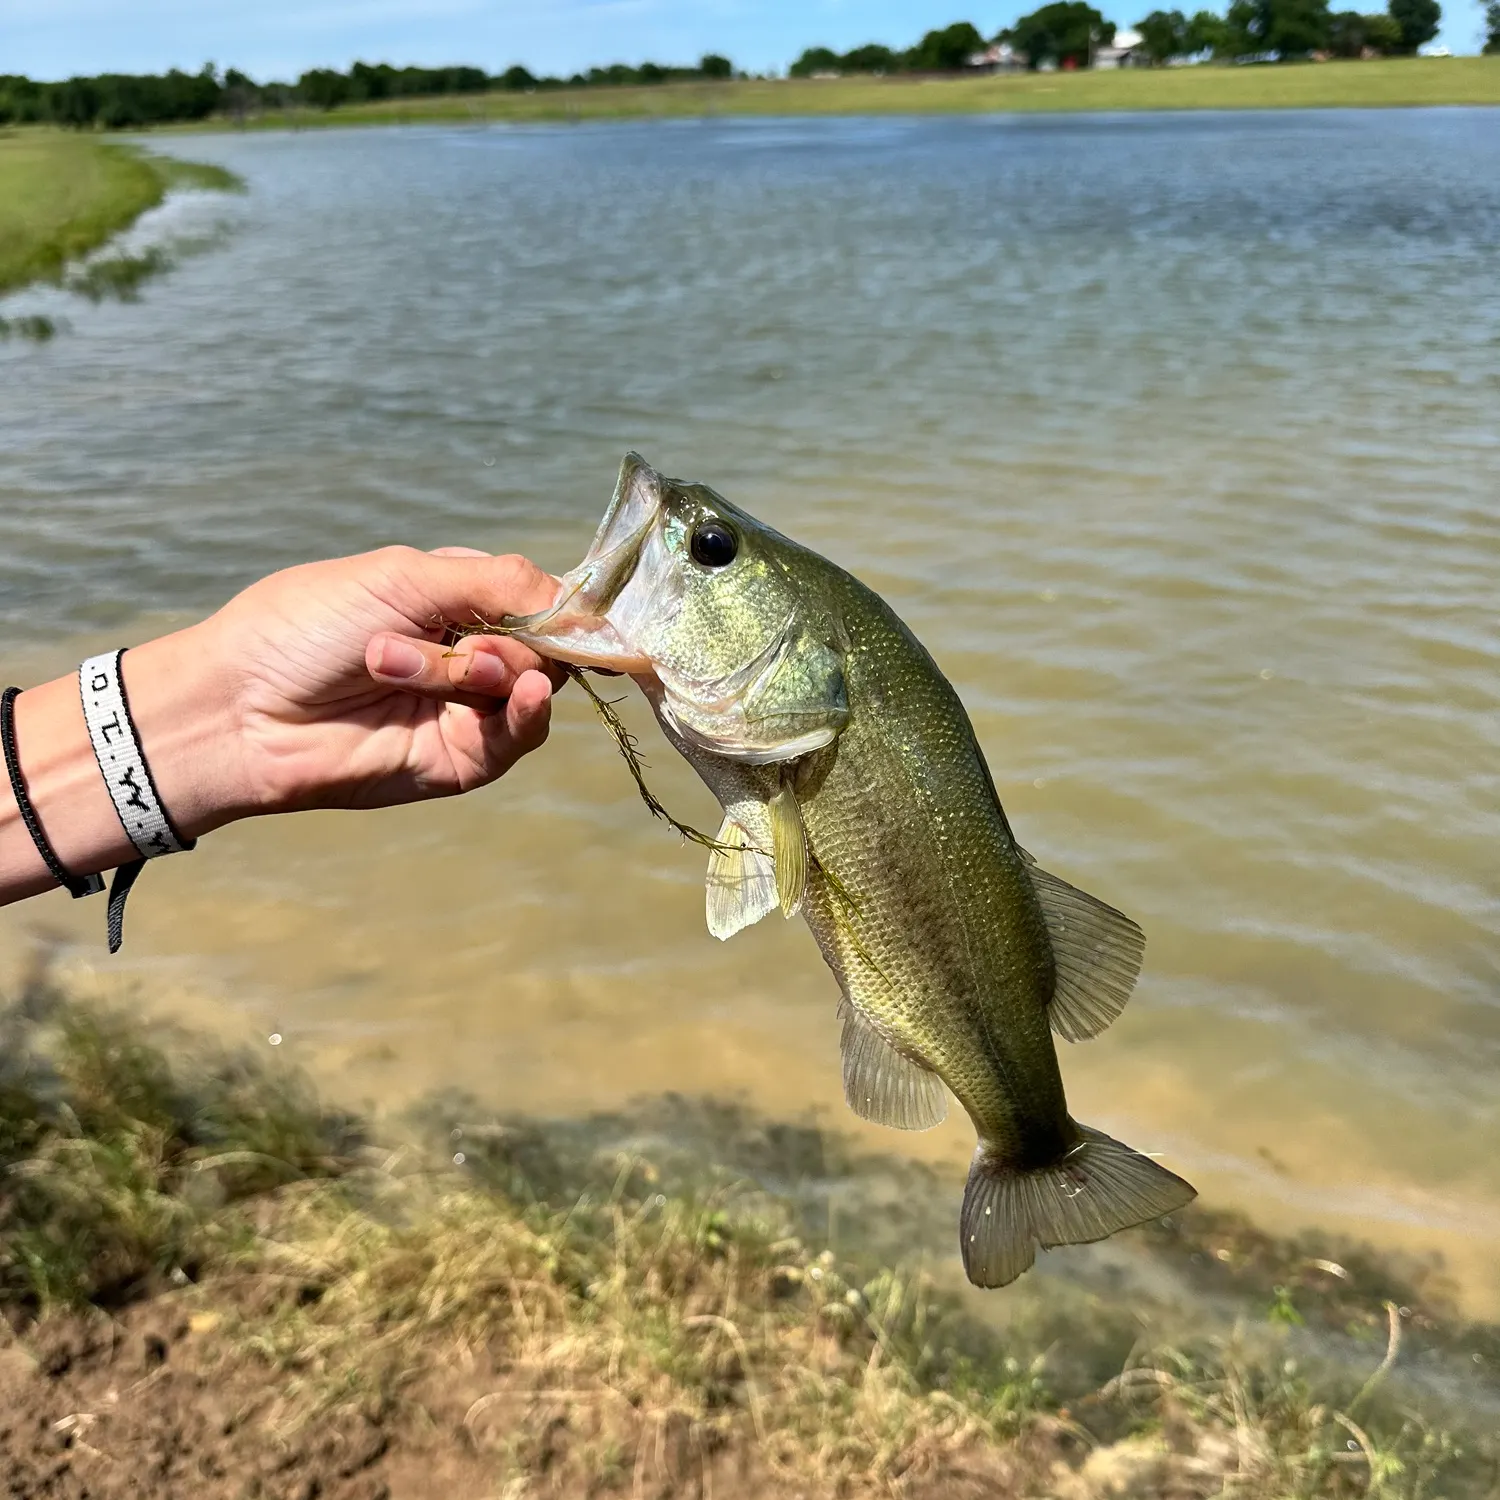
[
  {"x": 884, "y": 1085},
  {"x": 1098, "y": 953},
  {"x": 741, "y": 883},
  {"x": 789, "y": 844}
]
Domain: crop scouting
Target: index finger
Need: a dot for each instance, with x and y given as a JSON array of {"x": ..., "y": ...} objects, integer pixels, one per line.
[{"x": 471, "y": 589}]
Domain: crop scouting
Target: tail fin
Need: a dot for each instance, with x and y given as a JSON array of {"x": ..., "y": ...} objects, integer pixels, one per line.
[{"x": 1099, "y": 1187}]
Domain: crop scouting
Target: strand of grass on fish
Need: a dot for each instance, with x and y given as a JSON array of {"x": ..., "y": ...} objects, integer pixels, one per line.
[{"x": 855, "y": 793}]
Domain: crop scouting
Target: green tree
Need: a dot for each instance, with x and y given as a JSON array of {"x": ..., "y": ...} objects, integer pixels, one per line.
[
  {"x": 1346, "y": 33},
  {"x": 1206, "y": 32},
  {"x": 1492, "y": 27},
  {"x": 1066, "y": 30},
  {"x": 875, "y": 58},
  {"x": 1418, "y": 20},
  {"x": 323, "y": 88},
  {"x": 815, "y": 60},
  {"x": 366, "y": 82},
  {"x": 713, "y": 66},
  {"x": 1290, "y": 28},
  {"x": 1350, "y": 34},
  {"x": 946, "y": 51},
  {"x": 517, "y": 78},
  {"x": 1296, "y": 27},
  {"x": 1163, "y": 34},
  {"x": 1241, "y": 33}
]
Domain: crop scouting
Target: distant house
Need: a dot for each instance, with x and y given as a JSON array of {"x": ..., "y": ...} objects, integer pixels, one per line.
[
  {"x": 1128, "y": 50},
  {"x": 999, "y": 57}
]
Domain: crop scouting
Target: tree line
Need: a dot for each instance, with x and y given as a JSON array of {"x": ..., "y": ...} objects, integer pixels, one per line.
[
  {"x": 1063, "y": 33},
  {"x": 1068, "y": 33},
  {"x": 123, "y": 101},
  {"x": 1292, "y": 29}
]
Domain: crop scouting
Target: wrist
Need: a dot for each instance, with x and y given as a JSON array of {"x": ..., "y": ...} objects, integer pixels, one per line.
[
  {"x": 185, "y": 712},
  {"x": 185, "y": 719}
]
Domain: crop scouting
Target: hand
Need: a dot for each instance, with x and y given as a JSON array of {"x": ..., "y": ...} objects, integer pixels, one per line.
[
  {"x": 323, "y": 686},
  {"x": 345, "y": 696}
]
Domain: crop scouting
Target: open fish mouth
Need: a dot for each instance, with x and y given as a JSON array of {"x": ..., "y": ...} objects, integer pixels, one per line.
[{"x": 587, "y": 624}]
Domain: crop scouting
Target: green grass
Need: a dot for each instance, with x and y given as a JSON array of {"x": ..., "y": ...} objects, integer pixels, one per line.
[
  {"x": 646, "y": 1310},
  {"x": 64, "y": 195},
  {"x": 1384, "y": 83}
]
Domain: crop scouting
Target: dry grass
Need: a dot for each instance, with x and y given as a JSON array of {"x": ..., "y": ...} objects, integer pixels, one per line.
[{"x": 609, "y": 1336}]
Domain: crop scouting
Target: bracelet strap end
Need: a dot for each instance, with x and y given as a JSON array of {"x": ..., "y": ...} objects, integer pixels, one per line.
[{"x": 115, "y": 918}]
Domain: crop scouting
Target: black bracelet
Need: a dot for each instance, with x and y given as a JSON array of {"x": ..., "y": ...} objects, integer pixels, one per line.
[{"x": 74, "y": 885}]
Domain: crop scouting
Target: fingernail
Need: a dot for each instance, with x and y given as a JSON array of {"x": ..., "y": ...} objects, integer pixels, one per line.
[
  {"x": 398, "y": 658},
  {"x": 484, "y": 672}
]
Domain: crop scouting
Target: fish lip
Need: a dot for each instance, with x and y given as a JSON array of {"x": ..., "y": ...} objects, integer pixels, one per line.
[{"x": 586, "y": 592}]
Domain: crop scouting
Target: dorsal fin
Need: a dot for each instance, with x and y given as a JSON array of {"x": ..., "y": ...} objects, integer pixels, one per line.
[
  {"x": 884, "y": 1085},
  {"x": 1098, "y": 953}
]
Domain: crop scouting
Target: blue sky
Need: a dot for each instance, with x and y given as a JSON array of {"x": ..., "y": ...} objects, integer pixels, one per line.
[{"x": 279, "y": 38}]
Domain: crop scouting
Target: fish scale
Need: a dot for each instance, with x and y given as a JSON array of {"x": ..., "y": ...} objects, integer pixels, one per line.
[{"x": 941, "y": 900}]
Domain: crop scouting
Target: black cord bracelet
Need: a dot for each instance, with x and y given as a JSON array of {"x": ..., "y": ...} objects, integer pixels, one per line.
[{"x": 74, "y": 885}]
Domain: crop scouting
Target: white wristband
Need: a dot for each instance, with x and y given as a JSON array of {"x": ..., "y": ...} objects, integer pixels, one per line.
[{"x": 117, "y": 748}]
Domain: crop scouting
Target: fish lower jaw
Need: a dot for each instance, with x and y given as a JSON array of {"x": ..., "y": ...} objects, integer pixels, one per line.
[{"x": 600, "y": 649}]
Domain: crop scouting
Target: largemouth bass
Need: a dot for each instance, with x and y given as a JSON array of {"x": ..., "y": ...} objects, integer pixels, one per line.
[{"x": 854, "y": 792}]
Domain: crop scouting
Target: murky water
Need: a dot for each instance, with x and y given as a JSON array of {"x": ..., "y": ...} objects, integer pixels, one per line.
[{"x": 1176, "y": 439}]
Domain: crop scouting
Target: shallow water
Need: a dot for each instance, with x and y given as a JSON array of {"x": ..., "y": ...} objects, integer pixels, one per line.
[{"x": 1175, "y": 438}]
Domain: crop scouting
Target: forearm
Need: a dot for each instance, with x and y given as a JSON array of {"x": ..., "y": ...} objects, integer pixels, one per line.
[
  {"x": 185, "y": 722},
  {"x": 321, "y": 686}
]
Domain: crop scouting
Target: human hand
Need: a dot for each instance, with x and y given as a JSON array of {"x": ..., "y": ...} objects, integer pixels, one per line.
[
  {"x": 337, "y": 692},
  {"x": 321, "y": 686}
]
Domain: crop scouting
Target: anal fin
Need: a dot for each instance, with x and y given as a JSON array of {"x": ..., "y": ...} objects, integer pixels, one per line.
[
  {"x": 741, "y": 883},
  {"x": 884, "y": 1085},
  {"x": 1098, "y": 953}
]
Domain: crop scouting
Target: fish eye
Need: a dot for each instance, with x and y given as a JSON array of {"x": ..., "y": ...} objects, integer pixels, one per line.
[{"x": 713, "y": 544}]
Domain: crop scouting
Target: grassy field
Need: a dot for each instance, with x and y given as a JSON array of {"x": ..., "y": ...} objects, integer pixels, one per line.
[
  {"x": 1387, "y": 83},
  {"x": 63, "y": 195},
  {"x": 243, "y": 1295}
]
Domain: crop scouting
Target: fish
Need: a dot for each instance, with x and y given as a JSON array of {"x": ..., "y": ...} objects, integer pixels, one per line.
[{"x": 855, "y": 794}]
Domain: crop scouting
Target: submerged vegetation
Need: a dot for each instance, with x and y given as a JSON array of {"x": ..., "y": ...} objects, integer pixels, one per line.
[
  {"x": 117, "y": 276},
  {"x": 550, "y": 1313},
  {"x": 64, "y": 196},
  {"x": 33, "y": 326}
]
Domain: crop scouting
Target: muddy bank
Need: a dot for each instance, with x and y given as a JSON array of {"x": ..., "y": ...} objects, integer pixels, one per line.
[{"x": 216, "y": 1285}]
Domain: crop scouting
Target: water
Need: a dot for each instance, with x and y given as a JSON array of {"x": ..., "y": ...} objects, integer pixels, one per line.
[{"x": 1175, "y": 438}]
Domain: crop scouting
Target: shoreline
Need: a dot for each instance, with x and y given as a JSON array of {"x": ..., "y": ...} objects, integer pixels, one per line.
[
  {"x": 64, "y": 198},
  {"x": 1411, "y": 83},
  {"x": 193, "y": 1232}
]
